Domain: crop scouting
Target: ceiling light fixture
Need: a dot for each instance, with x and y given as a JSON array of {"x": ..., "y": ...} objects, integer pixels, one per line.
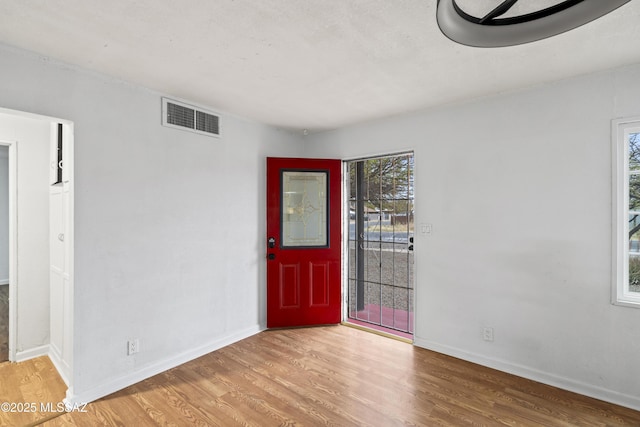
[{"x": 496, "y": 30}]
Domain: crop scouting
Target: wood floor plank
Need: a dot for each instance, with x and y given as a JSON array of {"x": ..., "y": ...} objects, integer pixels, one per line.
[
  {"x": 294, "y": 380},
  {"x": 335, "y": 376},
  {"x": 31, "y": 383}
]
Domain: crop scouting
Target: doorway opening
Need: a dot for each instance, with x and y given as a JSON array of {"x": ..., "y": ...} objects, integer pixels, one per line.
[
  {"x": 380, "y": 244},
  {"x": 40, "y": 243},
  {"x": 4, "y": 253}
]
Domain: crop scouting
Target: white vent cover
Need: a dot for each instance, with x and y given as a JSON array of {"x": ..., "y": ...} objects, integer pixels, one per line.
[{"x": 176, "y": 114}]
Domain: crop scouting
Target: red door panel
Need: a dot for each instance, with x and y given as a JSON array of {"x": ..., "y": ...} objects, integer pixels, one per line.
[
  {"x": 289, "y": 289},
  {"x": 303, "y": 242},
  {"x": 319, "y": 284}
]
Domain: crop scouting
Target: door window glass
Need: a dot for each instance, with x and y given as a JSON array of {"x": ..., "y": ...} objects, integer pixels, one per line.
[{"x": 304, "y": 209}]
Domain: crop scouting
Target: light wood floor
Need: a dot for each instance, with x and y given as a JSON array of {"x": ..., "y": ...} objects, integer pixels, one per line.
[
  {"x": 336, "y": 376},
  {"x": 33, "y": 381}
]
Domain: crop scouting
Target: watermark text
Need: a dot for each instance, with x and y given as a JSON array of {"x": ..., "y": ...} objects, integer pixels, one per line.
[{"x": 48, "y": 407}]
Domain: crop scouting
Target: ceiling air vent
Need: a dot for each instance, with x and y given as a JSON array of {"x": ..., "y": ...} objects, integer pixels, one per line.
[{"x": 183, "y": 116}]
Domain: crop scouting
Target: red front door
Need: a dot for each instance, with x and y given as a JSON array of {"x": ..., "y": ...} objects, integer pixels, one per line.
[{"x": 303, "y": 242}]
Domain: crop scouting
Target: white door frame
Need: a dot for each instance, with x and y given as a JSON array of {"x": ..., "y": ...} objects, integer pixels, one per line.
[{"x": 13, "y": 245}]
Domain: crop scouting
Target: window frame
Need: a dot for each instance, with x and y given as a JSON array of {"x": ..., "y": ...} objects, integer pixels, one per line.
[{"x": 621, "y": 294}]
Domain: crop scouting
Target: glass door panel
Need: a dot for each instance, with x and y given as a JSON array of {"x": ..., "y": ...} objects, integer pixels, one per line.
[{"x": 304, "y": 209}]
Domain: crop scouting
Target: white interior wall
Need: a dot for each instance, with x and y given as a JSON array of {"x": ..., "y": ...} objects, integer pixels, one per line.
[
  {"x": 32, "y": 138},
  {"x": 4, "y": 215},
  {"x": 169, "y": 225},
  {"x": 518, "y": 189}
]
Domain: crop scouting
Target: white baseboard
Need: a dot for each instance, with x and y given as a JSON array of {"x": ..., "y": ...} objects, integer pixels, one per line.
[
  {"x": 600, "y": 393},
  {"x": 124, "y": 381},
  {"x": 4, "y": 282},
  {"x": 32, "y": 353}
]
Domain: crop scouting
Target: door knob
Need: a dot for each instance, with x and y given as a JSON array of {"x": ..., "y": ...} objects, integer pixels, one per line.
[{"x": 271, "y": 257}]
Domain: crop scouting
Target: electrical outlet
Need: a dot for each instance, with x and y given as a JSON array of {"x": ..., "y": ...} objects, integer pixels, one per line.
[
  {"x": 487, "y": 334},
  {"x": 133, "y": 346}
]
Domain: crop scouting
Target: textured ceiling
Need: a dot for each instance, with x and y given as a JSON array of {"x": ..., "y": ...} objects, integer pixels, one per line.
[{"x": 304, "y": 64}]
